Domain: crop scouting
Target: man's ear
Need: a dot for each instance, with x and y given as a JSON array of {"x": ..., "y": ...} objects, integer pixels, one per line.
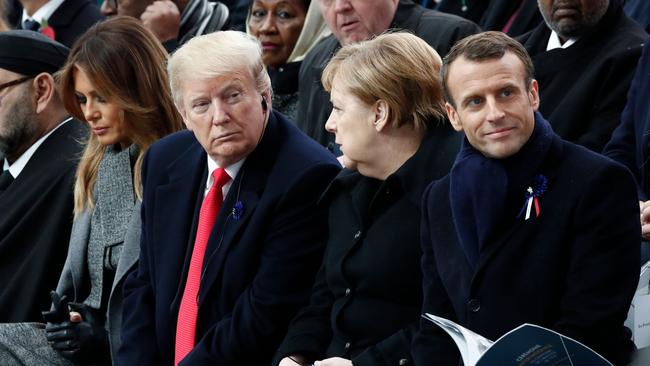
[
  {"x": 453, "y": 117},
  {"x": 533, "y": 94},
  {"x": 44, "y": 90},
  {"x": 382, "y": 113}
]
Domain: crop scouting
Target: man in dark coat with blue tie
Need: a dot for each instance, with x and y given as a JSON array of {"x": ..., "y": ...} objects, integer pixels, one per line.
[
  {"x": 225, "y": 297},
  {"x": 527, "y": 227}
]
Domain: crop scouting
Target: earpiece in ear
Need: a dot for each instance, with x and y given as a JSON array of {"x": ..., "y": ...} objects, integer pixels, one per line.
[{"x": 264, "y": 105}]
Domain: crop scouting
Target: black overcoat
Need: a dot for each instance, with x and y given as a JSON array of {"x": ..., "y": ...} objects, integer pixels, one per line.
[
  {"x": 35, "y": 223},
  {"x": 583, "y": 88},
  {"x": 573, "y": 269},
  {"x": 366, "y": 301}
]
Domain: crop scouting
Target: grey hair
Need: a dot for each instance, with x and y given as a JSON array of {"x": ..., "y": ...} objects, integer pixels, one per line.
[{"x": 216, "y": 54}]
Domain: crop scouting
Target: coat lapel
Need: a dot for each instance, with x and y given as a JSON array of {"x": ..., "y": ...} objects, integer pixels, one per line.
[
  {"x": 451, "y": 260},
  {"x": 516, "y": 234},
  {"x": 77, "y": 252},
  {"x": 247, "y": 188},
  {"x": 177, "y": 208},
  {"x": 131, "y": 249}
]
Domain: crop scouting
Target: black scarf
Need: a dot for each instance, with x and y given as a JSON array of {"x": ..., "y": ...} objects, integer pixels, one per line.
[{"x": 486, "y": 194}]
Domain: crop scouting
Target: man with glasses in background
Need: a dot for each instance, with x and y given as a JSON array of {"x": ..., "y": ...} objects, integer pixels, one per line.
[{"x": 39, "y": 150}]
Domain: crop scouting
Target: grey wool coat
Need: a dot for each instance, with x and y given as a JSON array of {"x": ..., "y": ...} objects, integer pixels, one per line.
[{"x": 74, "y": 280}]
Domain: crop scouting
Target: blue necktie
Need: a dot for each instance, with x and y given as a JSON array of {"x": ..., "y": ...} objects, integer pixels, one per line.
[{"x": 30, "y": 24}]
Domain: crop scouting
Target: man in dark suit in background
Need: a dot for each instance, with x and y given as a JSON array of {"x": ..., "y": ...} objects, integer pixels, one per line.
[
  {"x": 630, "y": 143},
  {"x": 173, "y": 22},
  {"x": 66, "y": 20},
  {"x": 585, "y": 54},
  {"x": 354, "y": 21},
  {"x": 224, "y": 293},
  {"x": 41, "y": 148},
  {"x": 526, "y": 228}
]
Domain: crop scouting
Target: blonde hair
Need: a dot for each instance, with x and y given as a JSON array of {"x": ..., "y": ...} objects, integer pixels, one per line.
[
  {"x": 126, "y": 64},
  {"x": 217, "y": 54},
  {"x": 399, "y": 68}
]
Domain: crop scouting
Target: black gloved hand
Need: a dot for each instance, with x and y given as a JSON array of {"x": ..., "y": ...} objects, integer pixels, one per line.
[
  {"x": 59, "y": 312},
  {"x": 84, "y": 342}
]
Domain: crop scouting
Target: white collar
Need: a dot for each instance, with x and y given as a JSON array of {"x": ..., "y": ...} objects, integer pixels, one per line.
[
  {"x": 22, "y": 161},
  {"x": 44, "y": 12},
  {"x": 554, "y": 42},
  {"x": 232, "y": 171}
]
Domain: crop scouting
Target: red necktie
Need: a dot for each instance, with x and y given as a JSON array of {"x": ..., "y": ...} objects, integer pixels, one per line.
[{"x": 188, "y": 312}]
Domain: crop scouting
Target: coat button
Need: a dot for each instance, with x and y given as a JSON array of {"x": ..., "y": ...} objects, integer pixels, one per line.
[
  {"x": 474, "y": 305},
  {"x": 403, "y": 362},
  {"x": 357, "y": 234},
  {"x": 347, "y": 291},
  {"x": 347, "y": 345}
]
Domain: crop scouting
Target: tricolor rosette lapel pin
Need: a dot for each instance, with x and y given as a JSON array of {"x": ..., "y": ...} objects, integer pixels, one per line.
[{"x": 533, "y": 193}]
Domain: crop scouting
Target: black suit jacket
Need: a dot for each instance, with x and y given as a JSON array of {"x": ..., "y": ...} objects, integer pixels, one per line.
[
  {"x": 583, "y": 88},
  {"x": 71, "y": 19},
  {"x": 439, "y": 30},
  {"x": 573, "y": 269},
  {"x": 366, "y": 301},
  {"x": 35, "y": 223},
  {"x": 258, "y": 268}
]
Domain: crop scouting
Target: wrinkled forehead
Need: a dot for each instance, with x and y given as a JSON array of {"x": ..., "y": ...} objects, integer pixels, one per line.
[
  {"x": 217, "y": 84},
  {"x": 465, "y": 74}
]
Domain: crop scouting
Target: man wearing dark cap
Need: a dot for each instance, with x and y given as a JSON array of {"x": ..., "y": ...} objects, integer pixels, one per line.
[{"x": 39, "y": 149}]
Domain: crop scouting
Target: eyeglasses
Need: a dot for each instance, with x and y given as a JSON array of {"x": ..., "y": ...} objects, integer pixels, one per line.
[{"x": 14, "y": 82}]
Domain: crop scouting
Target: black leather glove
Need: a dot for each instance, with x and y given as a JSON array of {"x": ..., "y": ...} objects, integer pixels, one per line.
[
  {"x": 59, "y": 312},
  {"x": 85, "y": 342}
]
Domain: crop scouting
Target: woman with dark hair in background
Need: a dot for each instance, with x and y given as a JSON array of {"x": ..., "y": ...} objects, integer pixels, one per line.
[
  {"x": 287, "y": 30},
  {"x": 115, "y": 80}
]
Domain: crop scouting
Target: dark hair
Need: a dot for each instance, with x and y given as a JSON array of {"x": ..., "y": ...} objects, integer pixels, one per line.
[
  {"x": 481, "y": 47},
  {"x": 126, "y": 64}
]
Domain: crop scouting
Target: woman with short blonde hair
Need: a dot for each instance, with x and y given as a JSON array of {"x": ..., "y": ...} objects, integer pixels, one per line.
[{"x": 388, "y": 120}]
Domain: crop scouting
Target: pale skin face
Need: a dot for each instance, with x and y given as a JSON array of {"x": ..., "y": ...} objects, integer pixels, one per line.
[
  {"x": 493, "y": 105},
  {"x": 277, "y": 25},
  {"x": 353, "y": 123},
  {"x": 357, "y": 20},
  {"x": 106, "y": 119},
  {"x": 225, "y": 114}
]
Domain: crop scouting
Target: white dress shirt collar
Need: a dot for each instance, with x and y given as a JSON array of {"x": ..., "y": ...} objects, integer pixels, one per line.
[
  {"x": 22, "y": 161},
  {"x": 44, "y": 12},
  {"x": 554, "y": 42},
  {"x": 232, "y": 171}
]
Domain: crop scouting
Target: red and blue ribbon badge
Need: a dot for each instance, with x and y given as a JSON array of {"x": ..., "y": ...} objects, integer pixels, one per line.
[{"x": 532, "y": 195}]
